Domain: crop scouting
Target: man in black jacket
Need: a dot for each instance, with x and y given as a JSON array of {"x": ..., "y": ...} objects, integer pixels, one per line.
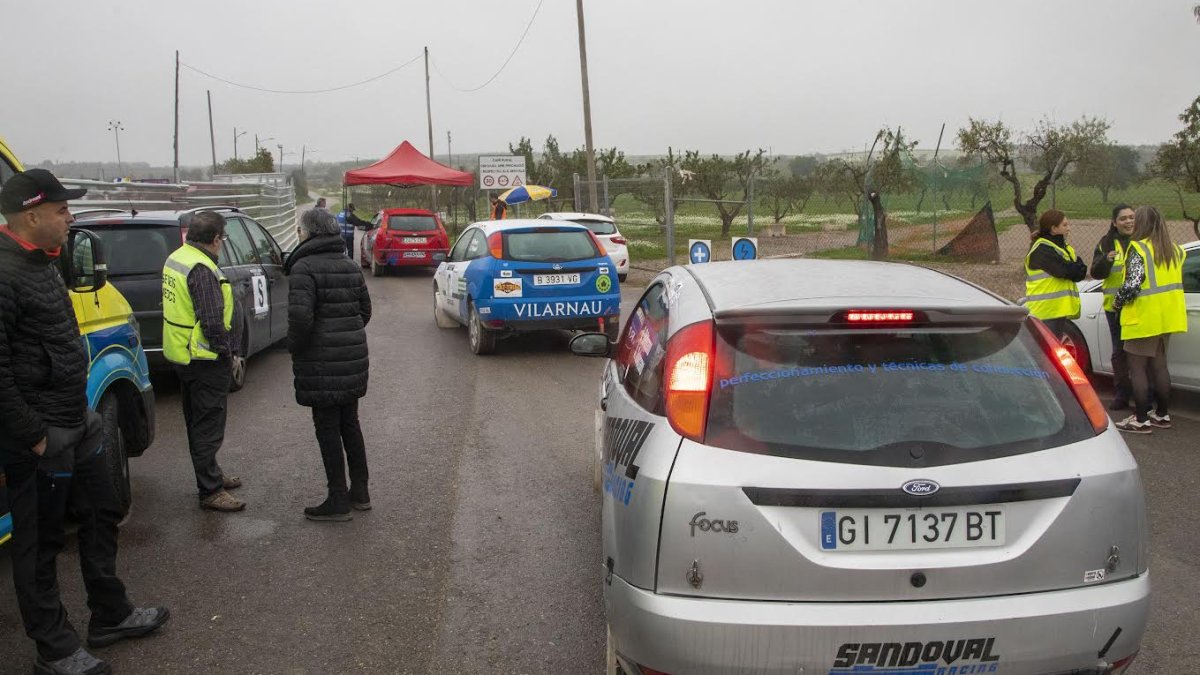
[
  {"x": 50, "y": 443},
  {"x": 328, "y": 310}
]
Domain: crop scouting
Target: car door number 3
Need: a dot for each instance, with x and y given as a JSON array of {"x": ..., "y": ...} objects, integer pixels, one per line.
[{"x": 262, "y": 303}]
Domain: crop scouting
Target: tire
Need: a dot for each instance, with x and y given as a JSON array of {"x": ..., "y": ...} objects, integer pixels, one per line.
[
  {"x": 1073, "y": 340},
  {"x": 622, "y": 277},
  {"x": 237, "y": 375},
  {"x": 613, "y": 331},
  {"x": 362, "y": 259},
  {"x": 440, "y": 317},
  {"x": 482, "y": 341},
  {"x": 377, "y": 270},
  {"x": 115, "y": 458}
]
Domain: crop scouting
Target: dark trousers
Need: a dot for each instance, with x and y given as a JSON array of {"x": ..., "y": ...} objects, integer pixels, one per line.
[
  {"x": 337, "y": 432},
  {"x": 1122, "y": 389},
  {"x": 204, "y": 388},
  {"x": 72, "y": 472},
  {"x": 1151, "y": 384}
]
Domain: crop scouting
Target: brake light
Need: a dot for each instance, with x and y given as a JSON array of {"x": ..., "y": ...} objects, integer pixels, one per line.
[
  {"x": 878, "y": 316},
  {"x": 496, "y": 245},
  {"x": 1070, "y": 369},
  {"x": 688, "y": 383},
  {"x": 600, "y": 250},
  {"x": 618, "y": 240}
]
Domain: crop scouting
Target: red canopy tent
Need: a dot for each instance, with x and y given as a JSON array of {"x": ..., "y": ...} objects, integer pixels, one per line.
[{"x": 405, "y": 167}]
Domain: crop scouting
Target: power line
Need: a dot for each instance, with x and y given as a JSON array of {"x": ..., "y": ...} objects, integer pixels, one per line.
[
  {"x": 502, "y": 66},
  {"x": 305, "y": 91}
]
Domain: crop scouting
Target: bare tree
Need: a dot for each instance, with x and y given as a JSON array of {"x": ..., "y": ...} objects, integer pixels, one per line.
[{"x": 1178, "y": 161}]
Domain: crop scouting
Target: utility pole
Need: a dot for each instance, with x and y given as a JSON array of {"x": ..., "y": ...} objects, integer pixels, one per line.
[
  {"x": 236, "y": 135},
  {"x": 280, "y": 146},
  {"x": 115, "y": 127},
  {"x": 593, "y": 204},
  {"x": 212, "y": 136},
  {"x": 176, "y": 166},
  {"x": 429, "y": 118},
  {"x": 449, "y": 151}
]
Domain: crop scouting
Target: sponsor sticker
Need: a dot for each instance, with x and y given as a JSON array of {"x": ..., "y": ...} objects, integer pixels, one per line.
[
  {"x": 623, "y": 440},
  {"x": 604, "y": 283},
  {"x": 1094, "y": 576},
  {"x": 543, "y": 310},
  {"x": 939, "y": 657},
  {"x": 485, "y": 310},
  {"x": 507, "y": 288},
  {"x": 507, "y": 274}
]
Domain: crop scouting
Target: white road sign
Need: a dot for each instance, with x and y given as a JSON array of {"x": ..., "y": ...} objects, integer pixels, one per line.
[{"x": 501, "y": 172}]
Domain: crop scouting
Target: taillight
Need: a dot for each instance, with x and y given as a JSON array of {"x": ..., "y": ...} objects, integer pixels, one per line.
[
  {"x": 618, "y": 240},
  {"x": 877, "y": 316},
  {"x": 496, "y": 245},
  {"x": 1070, "y": 369},
  {"x": 600, "y": 250},
  {"x": 688, "y": 382}
]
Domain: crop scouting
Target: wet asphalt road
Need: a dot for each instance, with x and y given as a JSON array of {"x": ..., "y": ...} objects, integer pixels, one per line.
[{"x": 482, "y": 553}]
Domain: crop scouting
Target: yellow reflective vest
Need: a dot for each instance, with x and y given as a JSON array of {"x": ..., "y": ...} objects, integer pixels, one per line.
[
  {"x": 1160, "y": 308},
  {"x": 183, "y": 340},
  {"x": 1116, "y": 277},
  {"x": 1047, "y": 296}
]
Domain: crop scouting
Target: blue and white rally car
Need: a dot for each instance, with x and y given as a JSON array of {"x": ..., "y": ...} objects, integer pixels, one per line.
[{"x": 510, "y": 276}]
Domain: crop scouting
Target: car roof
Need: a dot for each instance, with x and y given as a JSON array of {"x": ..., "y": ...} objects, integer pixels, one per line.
[
  {"x": 163, "y": 217},
  {"x": 490, "y": 226},
  {"x": 408, "y": 212},
  {"x": 575, "y": 216},
  {"x": 835, "y": 284}
]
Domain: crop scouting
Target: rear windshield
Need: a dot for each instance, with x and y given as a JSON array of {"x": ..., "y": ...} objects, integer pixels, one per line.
[
  {"x": 411, "y": 223},
  {"x": 137, "y": 250},
  {"x": 549, "y": 245},
  {"x": 598, "y": 226},
  {"x": 890, "y": 397}
]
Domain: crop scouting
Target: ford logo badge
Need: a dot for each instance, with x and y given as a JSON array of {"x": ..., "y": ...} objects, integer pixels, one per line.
[{"x": 921, "y": 487}]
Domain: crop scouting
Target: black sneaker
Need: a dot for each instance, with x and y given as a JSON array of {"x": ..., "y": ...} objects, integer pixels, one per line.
[
  {"x": 79, "y": 663},
  {"x": 1132, "y": 425},
  {"x": 1160, "y": 421},
  {"x": 335, "y": 508},
  {"x": 360, "y": 498},
  {"x": 141, "y": 622}
]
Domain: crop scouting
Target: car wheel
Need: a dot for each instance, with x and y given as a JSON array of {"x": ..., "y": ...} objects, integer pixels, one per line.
[
  {"x": 362, "y": 259},
  {"x": 116, "y": 460},
  {"x": 482, "y": 341},
  {"x": 440, "y": 317},
  {"x": 376, "y": 269},
  {"x": 237, "y": 378},
  {"x": 1073, "y": 340},
  {"x": 622, "y": 277}
]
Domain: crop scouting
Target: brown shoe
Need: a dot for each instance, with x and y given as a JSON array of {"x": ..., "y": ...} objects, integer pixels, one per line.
[
  {"x": 231, "y": 482},
  {"x": 222, "y": 501}
]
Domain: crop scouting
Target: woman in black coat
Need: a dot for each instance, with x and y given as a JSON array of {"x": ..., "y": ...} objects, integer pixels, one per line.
[{"x": 328, "y": 310}]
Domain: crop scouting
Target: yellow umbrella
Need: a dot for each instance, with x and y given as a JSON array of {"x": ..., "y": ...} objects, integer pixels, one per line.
[{"x": 527, "y": 193}]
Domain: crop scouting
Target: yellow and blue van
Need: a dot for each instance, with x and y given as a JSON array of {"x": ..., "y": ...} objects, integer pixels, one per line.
[{"x": 118, "y": 384}]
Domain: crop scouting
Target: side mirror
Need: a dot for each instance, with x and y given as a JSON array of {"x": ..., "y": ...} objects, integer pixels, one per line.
[
  {"x": 84, "y": 267},
  {"x": 439, "y": 257},
  {"x": 591, "y": 344}
]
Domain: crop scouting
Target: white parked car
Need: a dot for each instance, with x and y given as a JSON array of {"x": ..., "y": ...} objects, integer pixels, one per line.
[
  {"x": 1184, "y": 352},
  {"x": 605, "y": 229}
]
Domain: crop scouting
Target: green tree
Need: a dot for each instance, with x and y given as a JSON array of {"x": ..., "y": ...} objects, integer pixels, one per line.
[
  {"x": 1107, "y": 167},
  {"x": 804, "y": 165},
  {"x": 263, "y": 162},
  {"x": 1050, "y": 149},
  {"x": 1178, "y": 161},
  {"x": 725, "y": 181},
  {"x": 652, "y": 190},
  {"x": 785, "y": 194}
]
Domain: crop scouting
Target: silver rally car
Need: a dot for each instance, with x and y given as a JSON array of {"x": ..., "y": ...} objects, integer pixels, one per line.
[{"x": 855, "y": 467}]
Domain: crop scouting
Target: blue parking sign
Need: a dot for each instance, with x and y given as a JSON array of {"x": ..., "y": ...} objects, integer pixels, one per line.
[
  {"x": 699, "y": 251},
  {"x": 745, "y": 248}
]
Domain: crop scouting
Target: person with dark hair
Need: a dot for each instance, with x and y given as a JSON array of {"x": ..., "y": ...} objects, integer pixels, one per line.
[
  {"x": 321, "y": 204},
  {"x": 1108, "y": 263},
  {"x": 1152, "y": 306},
  {"x": 499, "y": 208},
  {"x": 328, "y": 310},
  {"x": 348, "y": 221},
  {"x": 1051, "y": 270},
  {"x": 50, "y": 443},
  {"x": 198, "y": 337}
]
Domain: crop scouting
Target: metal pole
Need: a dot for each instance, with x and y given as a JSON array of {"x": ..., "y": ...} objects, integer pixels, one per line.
[
  {"x": 607, "y": 206},
  {"x": 750, "y": 207},
  {"x": 212, "y": 135},
  {"x": 115, "y": 127},
  {"x": 587, "y": 111},
  {"x": 235, "y": 135},
  {"x": 176, "y": 165},
  {"x": 429, "y": 119},
  {"x": 280, "y": 146},
  {"x": 575, "y": 192},
  {"x": 303, "y": 151},
  {"x": 669, "y": 214}
]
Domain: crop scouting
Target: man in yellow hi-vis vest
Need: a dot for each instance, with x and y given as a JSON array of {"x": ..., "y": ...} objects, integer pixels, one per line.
[
  {"x": 198, "y": 315},
  {"x": 1152, "y": 307}
]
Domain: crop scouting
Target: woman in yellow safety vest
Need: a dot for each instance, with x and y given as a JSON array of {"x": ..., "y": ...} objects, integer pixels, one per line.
[
  {"x": 1051, "y": 270},
  {"x": 1108, "y": 264},
  {"x": 1152, "y": 306}
]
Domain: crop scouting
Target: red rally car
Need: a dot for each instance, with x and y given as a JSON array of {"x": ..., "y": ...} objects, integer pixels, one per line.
[{"x": 403, "y": 238}]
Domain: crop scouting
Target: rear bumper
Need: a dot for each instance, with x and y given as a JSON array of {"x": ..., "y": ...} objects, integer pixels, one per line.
[
  {"x": 1055, "y": 632},
  {"x": 398, "y": 258},
  {"x": 527, "y": 314}
]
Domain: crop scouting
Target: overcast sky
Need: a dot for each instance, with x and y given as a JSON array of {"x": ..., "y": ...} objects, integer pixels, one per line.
[{"x": 794, "y": 76}]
